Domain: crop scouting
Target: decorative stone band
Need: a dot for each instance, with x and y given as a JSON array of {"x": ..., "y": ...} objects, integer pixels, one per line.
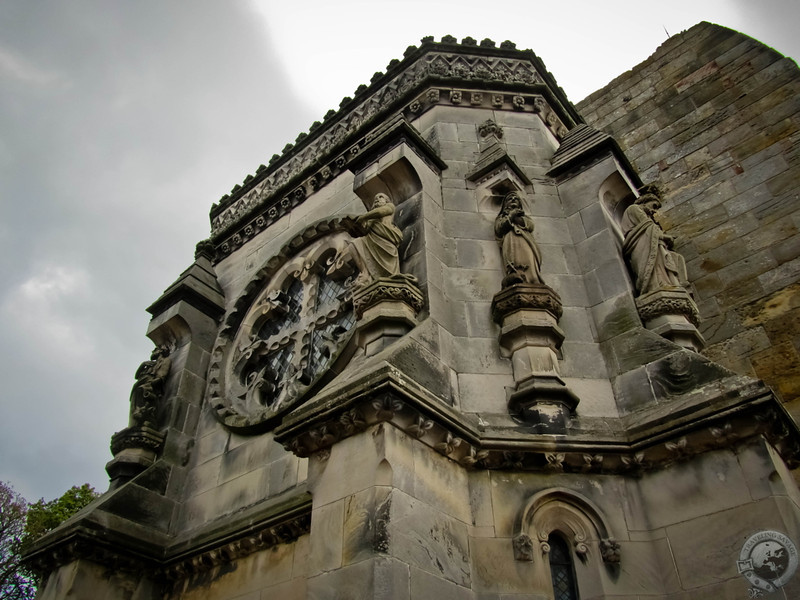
[
  {"x": 288, "y": 520},
  {"x": 283, "y": 532},
  {"x": 265, "y": 200},
  {"x": 400, "y": 289},
  {"x": 525, "y": 295},
  {"x": 90, "y": 547},
  {"x": 506, "y": 71},
  {"x": 143, "y": 437},
  {"x": 667, "y": 302},
  {"x": 389, "y": 397}
]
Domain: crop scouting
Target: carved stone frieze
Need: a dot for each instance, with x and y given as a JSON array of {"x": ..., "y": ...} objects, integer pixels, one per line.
[
  {"x": 291, "y": 177},
  {"x": 284, "y": 532},
  {"x": 387, "y": 404},
  {"x": 168, "y": 564}
]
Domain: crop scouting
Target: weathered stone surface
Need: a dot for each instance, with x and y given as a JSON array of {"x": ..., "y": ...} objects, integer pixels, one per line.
[
  {"x": 423, "y": 472},
  {"x": 426, "y": 538}
]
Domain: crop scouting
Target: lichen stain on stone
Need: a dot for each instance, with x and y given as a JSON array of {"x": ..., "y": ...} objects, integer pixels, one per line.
[
  {"x": 618, "y": 321},
  {"x": 774, "y": 306}
]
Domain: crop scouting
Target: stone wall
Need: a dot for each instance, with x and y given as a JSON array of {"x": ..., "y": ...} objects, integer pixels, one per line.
[{"x": 715, "y": 116}]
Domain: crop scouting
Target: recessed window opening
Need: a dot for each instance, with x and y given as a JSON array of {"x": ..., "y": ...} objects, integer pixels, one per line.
[{"x": 562, "y": 569}]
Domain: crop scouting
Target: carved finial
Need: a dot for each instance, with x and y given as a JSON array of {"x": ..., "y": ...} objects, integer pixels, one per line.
[
  {"x": 449, "y": 39},
  {"x": 469, "y": 41},
  {"x": 426, "y": 39},
  {"x": 508, "y": 45},
  {"x": 487, "y": 43}
]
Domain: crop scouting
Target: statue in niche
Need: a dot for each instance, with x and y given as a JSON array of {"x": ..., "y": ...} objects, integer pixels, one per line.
[
  {"x": 647, "y": 248},
  {"x": 149, "y": 386},
  {"x": 379, "y": 246},
  {"x": 375, "y": 249},
  {"x": 513, "y": 229}
]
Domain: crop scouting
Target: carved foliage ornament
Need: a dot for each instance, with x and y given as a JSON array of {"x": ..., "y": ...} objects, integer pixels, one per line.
[{"x": 293, "y": 335}]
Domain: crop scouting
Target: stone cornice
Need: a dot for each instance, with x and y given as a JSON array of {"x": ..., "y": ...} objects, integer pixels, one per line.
[
  {"x": 646, "y": 440},
  {"x": 277, "y": 521},
  {"x": 449, "y": 74}
]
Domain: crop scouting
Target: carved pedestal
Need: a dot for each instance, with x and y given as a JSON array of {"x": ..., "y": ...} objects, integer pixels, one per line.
[
  {"x": 673, "y": 315},
  {"x": 530, "y": 336},
  {"x": 134, "y": 449},
  {"x": 386, "y": 309}
]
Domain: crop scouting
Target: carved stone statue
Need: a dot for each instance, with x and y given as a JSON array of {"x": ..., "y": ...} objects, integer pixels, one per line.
[
  {"x": 379, "y": 246},
  {"x": 647, "y": 248},
  {"x": 149, "y": 386},
  {"x": 514, "y": 232}
]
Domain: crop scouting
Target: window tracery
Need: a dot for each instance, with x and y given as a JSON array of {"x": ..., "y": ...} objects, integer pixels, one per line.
[{"x": 294, "y": 334}]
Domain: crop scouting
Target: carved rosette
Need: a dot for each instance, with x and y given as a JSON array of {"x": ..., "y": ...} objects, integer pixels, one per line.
[{"x": 526, "y": 296}]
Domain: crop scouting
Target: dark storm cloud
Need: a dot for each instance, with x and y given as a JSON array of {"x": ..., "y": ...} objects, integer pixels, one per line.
[{"x": 121, "y": 122}]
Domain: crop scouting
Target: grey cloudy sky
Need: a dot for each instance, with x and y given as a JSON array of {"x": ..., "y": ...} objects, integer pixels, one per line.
[{"x": 121, "y": 122}]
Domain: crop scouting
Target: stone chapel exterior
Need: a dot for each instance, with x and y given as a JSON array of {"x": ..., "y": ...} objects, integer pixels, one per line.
[{"x": 465, "y": 340}]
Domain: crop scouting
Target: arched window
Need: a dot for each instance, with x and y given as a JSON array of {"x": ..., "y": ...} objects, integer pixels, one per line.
[{"x": 562, "y": 571}]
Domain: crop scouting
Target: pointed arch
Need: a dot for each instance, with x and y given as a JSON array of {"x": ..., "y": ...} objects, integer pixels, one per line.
[{"x": 576, "y": 517}]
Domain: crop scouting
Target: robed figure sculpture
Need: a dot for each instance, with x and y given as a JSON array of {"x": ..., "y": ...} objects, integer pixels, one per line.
[
  {"x": 513, "y": 229},
  {"x": 647, "y": 248}
]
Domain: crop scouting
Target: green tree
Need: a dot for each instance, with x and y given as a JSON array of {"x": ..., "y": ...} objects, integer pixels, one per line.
[
  {"x": 44, "y": 516},
  {"x": 14, "y": 582}
]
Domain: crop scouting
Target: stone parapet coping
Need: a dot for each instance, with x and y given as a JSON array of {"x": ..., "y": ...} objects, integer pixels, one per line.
[{"x": 649, "y": 439}]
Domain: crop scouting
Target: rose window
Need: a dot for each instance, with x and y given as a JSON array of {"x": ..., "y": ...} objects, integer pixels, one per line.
[{"x": 294, "y": 337}]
